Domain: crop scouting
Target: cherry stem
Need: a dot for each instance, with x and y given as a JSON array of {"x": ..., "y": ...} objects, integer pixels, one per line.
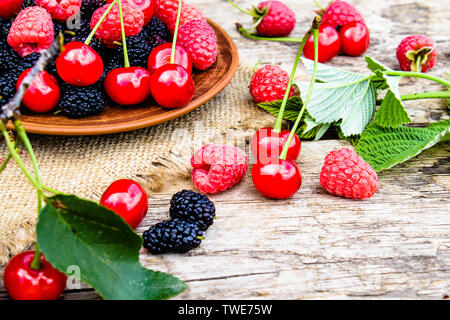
[
  {"x": 89, "y": 38},
  {"x": 277, "y": 126},
  {"x": 175, "y": 33},
  {"x": 318, "y": 5},
  {"x": 417, "y": 75},
  {"x": 426, "y": 95},
  {"x": 240, "y": 28},
  {"x": 9, "y": 156},
  {"x": 124, "y": 39},
  {"x": 311, "y": 85},
  {"x": 250, "y": 13}
]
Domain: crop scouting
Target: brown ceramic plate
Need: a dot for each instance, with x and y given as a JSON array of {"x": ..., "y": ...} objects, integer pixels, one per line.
[{"x": 119, "y": 119}]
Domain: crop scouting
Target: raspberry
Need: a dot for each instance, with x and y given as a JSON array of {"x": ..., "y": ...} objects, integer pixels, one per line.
[
  {"x": 109, "y": 31},
  {"x": 416, "y": 53},
  {"x": 218, "y": 167},
  {"x": 339, "y": 13},
  {"x": 60, "y": 9},
  {"x": 79, "y": 102},
  {"x": 192, "y": 207},
  {"x": 158, "y": 28},
  {"x": 279, "y": 21},
  {"x": 347, "y": 175},
  {"x": 199, "y": 38},
  {"x": 172, "y": 236},
  {"x": 31, "y": 31},
  {"x": 167, "y": 12},
  {"x": 269, "y": 84}
]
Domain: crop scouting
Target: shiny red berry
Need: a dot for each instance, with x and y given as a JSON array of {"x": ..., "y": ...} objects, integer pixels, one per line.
[
  {"x": 128, "y": 199},
  {"x": 79, "y": 64},
  {"x": 172, "y": 86},
  {"x": 278, "y": 179},
  {"x": 25, "y": 283},
  {"x": 329, "y": 44},
  {"x": 9, "y": 7},
  {"x": 43, "y": 94},
  {"x": 128, "y": 86},
  {"x": 160, "y": 56},
  {"x": 354, "y": 38},
  {"x": 267, "y": 144}
]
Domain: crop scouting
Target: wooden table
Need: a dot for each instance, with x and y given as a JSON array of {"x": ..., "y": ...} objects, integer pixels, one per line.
[{"x": 394, "y": 245}]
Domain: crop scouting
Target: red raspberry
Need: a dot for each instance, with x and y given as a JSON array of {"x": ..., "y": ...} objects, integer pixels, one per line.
[
  {"x": 60, "y": 9},
  {"x": 339, "y": 13},
  {"x": 218, "y": 167},
  {"x": 269, "y": 84},
  {"x": 109, "y": 31},
  {"x": 414, "y": 50},
  {"x": 279, "y": 21},
  {"x": 347, "y": 175},
  {"x": 167, "y": 13},
  {"x": 199, "y": 38},
  {"x": 31, "y": 31}
]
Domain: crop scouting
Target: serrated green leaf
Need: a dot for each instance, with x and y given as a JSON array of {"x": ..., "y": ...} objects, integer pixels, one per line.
[
  {"x": 377, "y": 67},
  {"x": 293, "y": 106},
  {"x": 392, "y": 112},
  {"x": 77, "y": 232},
  {"x": 328, "y": 73},
  {"x": 312, "y": 129},
  {"x": 384, "y": 148}
]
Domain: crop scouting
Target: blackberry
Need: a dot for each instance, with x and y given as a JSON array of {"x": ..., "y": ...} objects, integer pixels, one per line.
[
  {"x": 113, "y": 62},
  {"x": 59, "y": 26},
  {"x": 155, "y": 41},
  {"x": 9, "y": 59},
  {"x": 28, "y": 3},
  {"x": 157, "y": 27},
  {"x": 172, "y": 236},
  {"x": 192, "y": 207},
  {"x": 138, "y": 48},
  {"x": 7, "y": 87},
  {"x": 89, "y": 6},
  {"x": 79, "y": 102}
]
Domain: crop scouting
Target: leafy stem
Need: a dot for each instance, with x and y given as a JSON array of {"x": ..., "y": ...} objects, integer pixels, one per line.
[
  {"x": 315, "y": 29},
  {"x": 277, "y": 126},
  {"x": 417, "y": 75},
  {"x": 240, "y": 28},
  {"x": 426, "y": 95},
  {"x": 9, "y": 156},
  {"x": 175, "y": 33}
]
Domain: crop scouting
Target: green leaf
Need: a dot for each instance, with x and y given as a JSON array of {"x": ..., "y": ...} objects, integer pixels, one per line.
[
  {"x": 345, "y": 96},
  {"x": 383, "y": 148},
  {"x": 311, "y": 129},
  {"x": 378, "y": 80},
  {"x": 392, "y": 112},
  {"x": 448, "y": 100},
  {"x": 77, "y": 232},
  {"x": 293, "y": 106}
]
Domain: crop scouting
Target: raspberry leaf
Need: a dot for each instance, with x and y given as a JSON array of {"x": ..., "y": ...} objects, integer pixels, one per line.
[
  {"x": 76, "y": 232},
  {"x": 384, "y": 148},
  {"x": 392, "y": 112},
  {"x": 378, "y": 80},
  {"x": 293, "y": 106}
]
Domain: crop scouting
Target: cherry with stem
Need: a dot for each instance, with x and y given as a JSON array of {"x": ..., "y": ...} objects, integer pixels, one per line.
[
  {"x": 127, "y": 85},
  {"x": 171, "y": 84}
]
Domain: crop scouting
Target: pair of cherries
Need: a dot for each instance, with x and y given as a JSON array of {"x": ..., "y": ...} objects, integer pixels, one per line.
[
  {"x": 170, "y": 85},
  {"x": 274, "y": 177},
  {"x": 353, "y": 39}
]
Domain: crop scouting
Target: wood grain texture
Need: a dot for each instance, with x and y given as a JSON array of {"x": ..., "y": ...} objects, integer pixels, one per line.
[
  {"x": 117, "y": 118},
  {"x": 393, "y": 246}
]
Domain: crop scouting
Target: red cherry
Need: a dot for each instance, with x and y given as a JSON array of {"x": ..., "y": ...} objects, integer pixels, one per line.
[
  {"x": 128, "y": 86},
  {"x": 24, "y": 283},
  {"x": 161, "y": 56},
  {"x": 9, "y": 7},
  {"x": 172, "y": 86},
  {"x": 146, "y": 7},
  {"x": 329, "y": 44},
  {"x": 79, "y": 64},
  {"x": 43, "y": 93},
  {"x": 279, "y": 179},
  {"x": 128, "y": 199},
  {"x": 267, "y": 144},
  {"x": 354, "y": 38}
]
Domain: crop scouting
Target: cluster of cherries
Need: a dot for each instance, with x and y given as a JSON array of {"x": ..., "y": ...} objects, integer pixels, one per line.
[
  {"x": 352, "y": 39},
  {"x": 25, "y": 281},
  {"x": 168, "y": 80}
]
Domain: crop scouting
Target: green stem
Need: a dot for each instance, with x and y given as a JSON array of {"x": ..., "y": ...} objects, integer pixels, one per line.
[
  {"x": 36, "y": 263},
  {"x": 124, "y": 40},
  {"x": 277, "y": 126},
  {"x": 417, "y": 75},
  {"x": 17, "y": 158},
  {"x": 250, "y": 13},
  {"x": 89, "y": 38},
  {"x": 9, "y": 156},
  {"x": 245, "y": 33},
  {"x": 318, "y": 5},
  {"x": 426, "y": 95},
  {"x": 305, "y": 103},
  {"x": 175, "y": 33},
  {"x": 51, "y": 190}
]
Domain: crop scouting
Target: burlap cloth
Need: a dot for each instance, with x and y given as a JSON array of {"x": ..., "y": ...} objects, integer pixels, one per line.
[{"x": 86, "y": 165}]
